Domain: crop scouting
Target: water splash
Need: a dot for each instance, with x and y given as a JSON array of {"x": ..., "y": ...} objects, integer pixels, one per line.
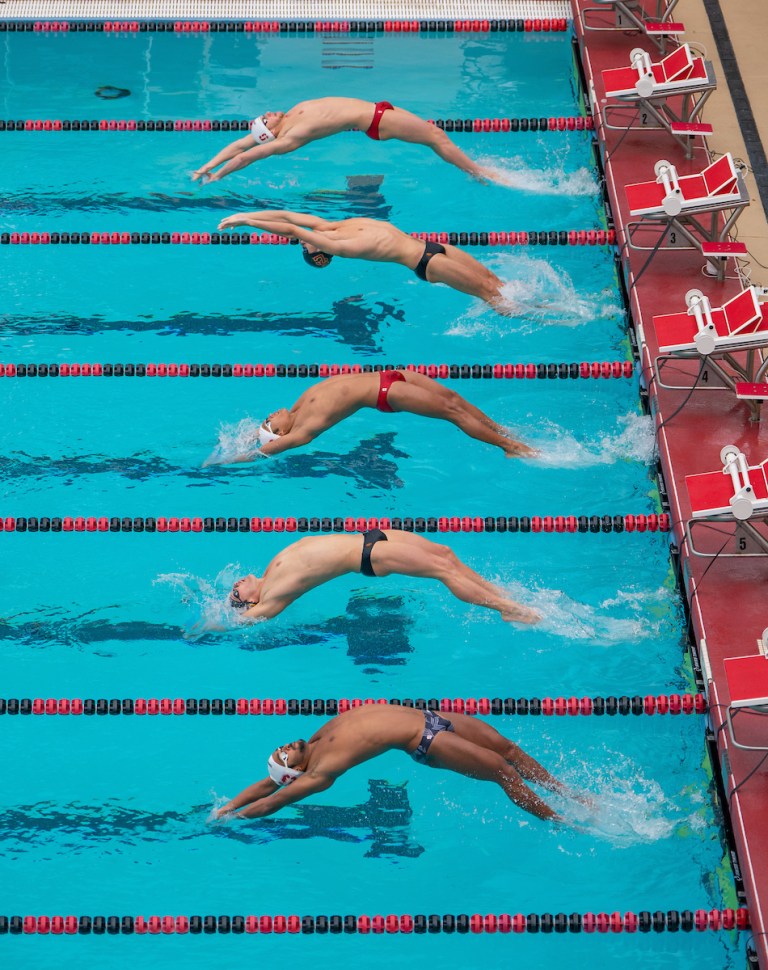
[
  {"x": 633, "y": 441},
  {"x": 217, "y": 802},
  {"x": 540, "y": 294},
  {"x": 568, "y": 619},
  {"x": 208, "y": 602},
  {"x": 623, "y": 806},
  {"x": 237, "y": 442},
  {"x": 553, "y": 179}
]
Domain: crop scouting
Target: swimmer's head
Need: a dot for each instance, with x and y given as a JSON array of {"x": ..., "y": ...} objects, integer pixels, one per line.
[
  {"x": 315, "y": 257},
  {"x": 245, "y": 592},
  {"x": 260, "y": 129},
  {"x": 283, "y": 763},
  {"x": 265, "y": 433},
  {"x": 275, "y": 426}
]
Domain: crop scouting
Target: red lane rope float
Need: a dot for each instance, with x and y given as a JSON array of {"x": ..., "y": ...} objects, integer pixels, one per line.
[
  {"x": 572, "y": 371},
  {"x": 471, "y": 125},
  {"x": 268, "y": 27},
  {"x": 500, "y": 524},
  {"x": 546, "y": 706},
  {"x": 615, "y": 922},
  {"x": 550, "y": 237}
]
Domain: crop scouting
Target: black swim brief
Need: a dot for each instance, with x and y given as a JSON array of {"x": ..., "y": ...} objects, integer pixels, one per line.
[
  {"x": 370, "y": 539},
  {"x": 433, "y": 725},
  {"x": 430, "y": 249}
]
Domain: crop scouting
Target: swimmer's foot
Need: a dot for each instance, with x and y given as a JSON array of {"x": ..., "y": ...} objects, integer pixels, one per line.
[{"x": 515, "y": 613}]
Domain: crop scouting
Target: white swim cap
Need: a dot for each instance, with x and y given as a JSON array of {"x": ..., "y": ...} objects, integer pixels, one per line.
[
  {"x": 266, "y": 433},
  {"x": 282, "y": 774},
  {"x": 260, "y": 132}
]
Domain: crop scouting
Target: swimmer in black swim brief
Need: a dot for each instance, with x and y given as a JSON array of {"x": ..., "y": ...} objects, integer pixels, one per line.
[
  {"x": 430, "y": 249},
  {"x": 370, "y": 539},
  {"x": 434, "y": 724}
]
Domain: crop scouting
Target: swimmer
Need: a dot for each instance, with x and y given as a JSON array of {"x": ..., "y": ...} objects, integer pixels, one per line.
[
  {"x": 379, "y": 241},
  {"x": 456, "y": 742},
  {"x": 315, "y": 560},
  {"x": 330, "y": 401},
  {"x": 281, "y": 132}
]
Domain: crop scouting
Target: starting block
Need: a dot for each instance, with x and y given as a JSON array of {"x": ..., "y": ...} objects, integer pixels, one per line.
[
  {"x": 747, "y": 679},
  {"x": 691, "y": 211},
  {"x": 738, "y": 495},
  {"x": 626, "y": 15},
  {"x": 643, "y": 93},
  {"x": 728, "y": 341}
]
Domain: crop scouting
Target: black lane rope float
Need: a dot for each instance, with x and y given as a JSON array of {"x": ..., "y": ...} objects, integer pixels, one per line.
[
  {"x": 271, "y": 27},
  {"x": 469, "y": 125},
  {"x": 244, "y": 524},
  {"x": 534, "y": 706},
  {"x": 572, "y": 371},
  {"x": 548, "y": 237},
  {"x": 644, "y": 921}
]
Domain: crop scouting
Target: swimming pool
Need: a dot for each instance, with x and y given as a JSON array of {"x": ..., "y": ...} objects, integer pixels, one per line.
[{"x": 120, "y": 825}]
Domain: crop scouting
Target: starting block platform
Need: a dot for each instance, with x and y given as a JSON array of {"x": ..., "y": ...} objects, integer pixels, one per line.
[
  {"x": 626, "y": 15},
  {"x": 735, "y": 495},
  {"x": 730, "y": 342},
  {"x": 689, "y": 211},
  {"x": 669, "y": 95},
  {"x": 747, "y": 679}
]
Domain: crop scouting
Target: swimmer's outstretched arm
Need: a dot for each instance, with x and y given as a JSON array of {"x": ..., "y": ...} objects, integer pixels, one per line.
[
  {"x": 261, "y": 805},
  {"x": 261, "y": 789},
  {"x": 267, "y": 609},
  {"x": 286, "y": 442},
  {"x": 238, "y": 154},
  {"x": 329, "y": 244},
  {"x": 270, "y": 217}
]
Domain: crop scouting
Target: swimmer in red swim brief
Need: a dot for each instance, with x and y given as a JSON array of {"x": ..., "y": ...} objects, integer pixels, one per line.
[
  {"x": 381, "y": 107},
  {"x": 330, "y": 401},
  {"x": 386, "y": 379},
  {"x": 281, "y": 132}
]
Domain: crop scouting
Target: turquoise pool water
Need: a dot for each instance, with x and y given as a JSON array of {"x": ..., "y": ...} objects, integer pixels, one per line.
[{"x": 109, "y": 815}]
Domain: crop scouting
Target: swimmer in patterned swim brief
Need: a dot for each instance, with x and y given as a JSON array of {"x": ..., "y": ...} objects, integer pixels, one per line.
[
  {"x": 433, "y": 725},
  {"x": 465, "y": 745},
  {"x": 281, "y": 132},
  {"x": 323, "y": 405}
]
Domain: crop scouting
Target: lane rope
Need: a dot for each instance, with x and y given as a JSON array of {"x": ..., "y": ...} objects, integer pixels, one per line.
[
  {"x": 500, "y": 524},
  {"x": 534, "y": 706},
  {"x": 548, "y": 237},
  {"x": 572, "y": 123},
  {"x": 573, "y": 371},
  {"x": 630, "y": 922},
  {"x": 295, "y": 27}
]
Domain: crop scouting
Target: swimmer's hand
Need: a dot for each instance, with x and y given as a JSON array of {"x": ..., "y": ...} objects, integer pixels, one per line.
[
  {"x": 202, "y": 627},
  {"x": 232, "y": 222},
  {"x": 216, "y": 458},
  {"x": 203, "y": 177}
]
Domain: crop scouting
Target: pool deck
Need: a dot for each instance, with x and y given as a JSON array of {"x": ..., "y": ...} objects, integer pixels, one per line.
[{"x": 727, "y": 597}]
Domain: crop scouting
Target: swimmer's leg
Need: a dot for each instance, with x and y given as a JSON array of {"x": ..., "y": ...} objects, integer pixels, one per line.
[
  {"x": 413, "y": 555},
  {"x": 432, "y": 400},
  {"x": 462, "y": 756},
  {"x": 480, "y": 732},
  {"x": 405, "y": 126}
]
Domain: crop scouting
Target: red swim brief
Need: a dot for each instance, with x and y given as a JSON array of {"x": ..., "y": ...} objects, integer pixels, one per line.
[
  {"x": 386, "y": 379},
  {"x": 381, "y": 107}
]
